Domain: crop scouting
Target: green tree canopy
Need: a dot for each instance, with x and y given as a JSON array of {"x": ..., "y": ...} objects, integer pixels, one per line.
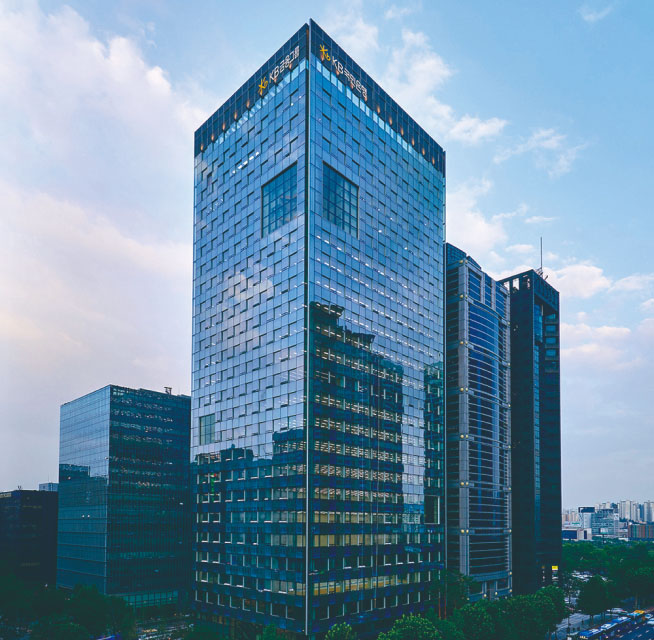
[
  {"x": 593, "y": 596},
  {"x": 411, "y": 627},
  {"x": 556, "y": 595},
  {"x": 641, "y": 583},
  {"x": 88, "y": 608},
  {"x": 451, "y": 591},
  {"x": 474, "y": 621},
  {"x": 341, "y": 631},
  {"x": 121, "y": 618}
]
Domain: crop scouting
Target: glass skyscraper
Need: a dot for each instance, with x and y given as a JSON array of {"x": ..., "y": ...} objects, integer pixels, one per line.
[
  {"x": 124, "y": 500},
  {"x": 477, "y": 391},
  {"x": 317, "y": 402},
  {"x": 535, "y": 430}
]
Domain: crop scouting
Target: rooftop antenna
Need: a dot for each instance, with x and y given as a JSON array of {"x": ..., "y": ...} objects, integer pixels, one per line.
[{"x": 540, "y": 270}]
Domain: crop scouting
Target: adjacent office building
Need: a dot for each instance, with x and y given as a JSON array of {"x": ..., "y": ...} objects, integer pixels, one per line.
[
  {"x": 317, "y": 411},
  {"x": 535, "y": 430},
  {"x": 28, "y": 534},
  {"x": 477, "y": 392},
  {"x": 124, "y": 495}
]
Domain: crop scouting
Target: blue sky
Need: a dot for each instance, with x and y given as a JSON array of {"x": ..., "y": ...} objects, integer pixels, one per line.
[{"x": 544, "y": 111}]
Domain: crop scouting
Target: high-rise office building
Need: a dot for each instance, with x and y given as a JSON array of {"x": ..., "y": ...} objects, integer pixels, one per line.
[
  {"x": 124, "y": 499},
  {"x": 317, "y": 410},
  {"x": 535, "y": 430},
  {"x": 477, "y": 398},
  {"x": 28, "y": 534}
]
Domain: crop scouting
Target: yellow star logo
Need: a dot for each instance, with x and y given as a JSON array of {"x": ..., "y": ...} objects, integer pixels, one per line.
[
  {"x": 262, "y": 86},
  {"x": 324, "y": 54}
]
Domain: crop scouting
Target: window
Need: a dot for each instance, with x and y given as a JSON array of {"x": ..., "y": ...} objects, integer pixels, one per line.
[
  {"x": 207, "y": 424},
  {"x": 279, "y": 200},
  {"x": 340, "y": 200}
]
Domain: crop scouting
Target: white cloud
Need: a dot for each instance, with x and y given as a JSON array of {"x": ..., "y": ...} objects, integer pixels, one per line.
[
  {"x": 646, "y": 330},
  {"x": 564, "y": 161},
  {"x": 413, "y": 75},
  {"x": 73, "y": 103},
  {"x": 584, "y": 280},
  {"x": 467, "y": 227},
  {"x": 550, "y": 149},
  {"x": 539, "y": 219},
  {"x": 95, "y": 194},
  {"x": 635, "y": 282},
  {"x": 583, "y": 332},
  {"x": 588, "y": 14},
  {"x": 520, "y": 210},
  {"x": 359, "y": 38},
  {"x": 584, "y": 345},
  {"x": 524, "y": 249},
  {"x": 473, "y": 130},
  {"x": 648, "y": 305},
  {"x": 578, "y": 280},
  {"x": 396, "y": 13}
]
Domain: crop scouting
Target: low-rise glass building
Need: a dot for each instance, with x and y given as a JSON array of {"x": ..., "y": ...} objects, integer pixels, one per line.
[{"x": 124, "y": 495}]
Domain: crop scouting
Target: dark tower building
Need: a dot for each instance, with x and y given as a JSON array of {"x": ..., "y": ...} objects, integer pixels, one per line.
[
  {"x": 535, "y": 430},
  {"x": 478, "y": 426},
  {"x": 317, "y": 411},
  {"x": 28, "y": 534}
]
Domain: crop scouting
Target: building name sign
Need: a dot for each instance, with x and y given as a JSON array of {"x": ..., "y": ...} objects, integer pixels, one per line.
[
  {"x": 339, "y": 69},
  {"x": 278, "y": 70}
]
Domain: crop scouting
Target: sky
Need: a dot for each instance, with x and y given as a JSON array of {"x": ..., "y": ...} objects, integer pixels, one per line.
[{"x": 544, "y": 110}]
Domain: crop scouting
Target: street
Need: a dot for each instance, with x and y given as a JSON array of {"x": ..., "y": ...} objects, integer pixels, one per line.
[{"x": 641, "y": 633}]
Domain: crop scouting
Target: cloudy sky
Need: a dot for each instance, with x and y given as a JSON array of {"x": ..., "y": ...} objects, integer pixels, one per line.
[{"x": 544, "y": 109}]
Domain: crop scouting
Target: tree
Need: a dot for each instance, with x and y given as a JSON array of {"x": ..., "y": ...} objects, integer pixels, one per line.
[
  {"x": 451, "y": 591},
  {"x": 88, "y": 608},
  {"x": 545, "y": 613},
  {"x": 121, "y": 618},
  {"x": 411, "y": 627},
  {"x": 341, "y": 631},
  {"x": 558, "y": 600},
  {"x": 270, "y": 632},
  {"x": 641, "y": 583},
  {"x": 593, "y": 596},
  {"x": 500, "y": 614},
  {"x": 474, "y": 622},
  {"x": 16, "y": 600},
  {"x": 448, "y": 630}
]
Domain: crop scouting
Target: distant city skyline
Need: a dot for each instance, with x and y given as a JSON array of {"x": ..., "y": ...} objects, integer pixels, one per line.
[{"x": 100, "y": 104}]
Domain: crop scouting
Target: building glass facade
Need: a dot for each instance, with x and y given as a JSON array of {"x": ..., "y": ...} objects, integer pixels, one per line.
[
  {"x": 124, "y": 495},
  {"x": 317, "y": 350},
  {"x": 535, "y": 430},
  {"x": 478, "y": 426},
  {"x": 28, "y": 534}
]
